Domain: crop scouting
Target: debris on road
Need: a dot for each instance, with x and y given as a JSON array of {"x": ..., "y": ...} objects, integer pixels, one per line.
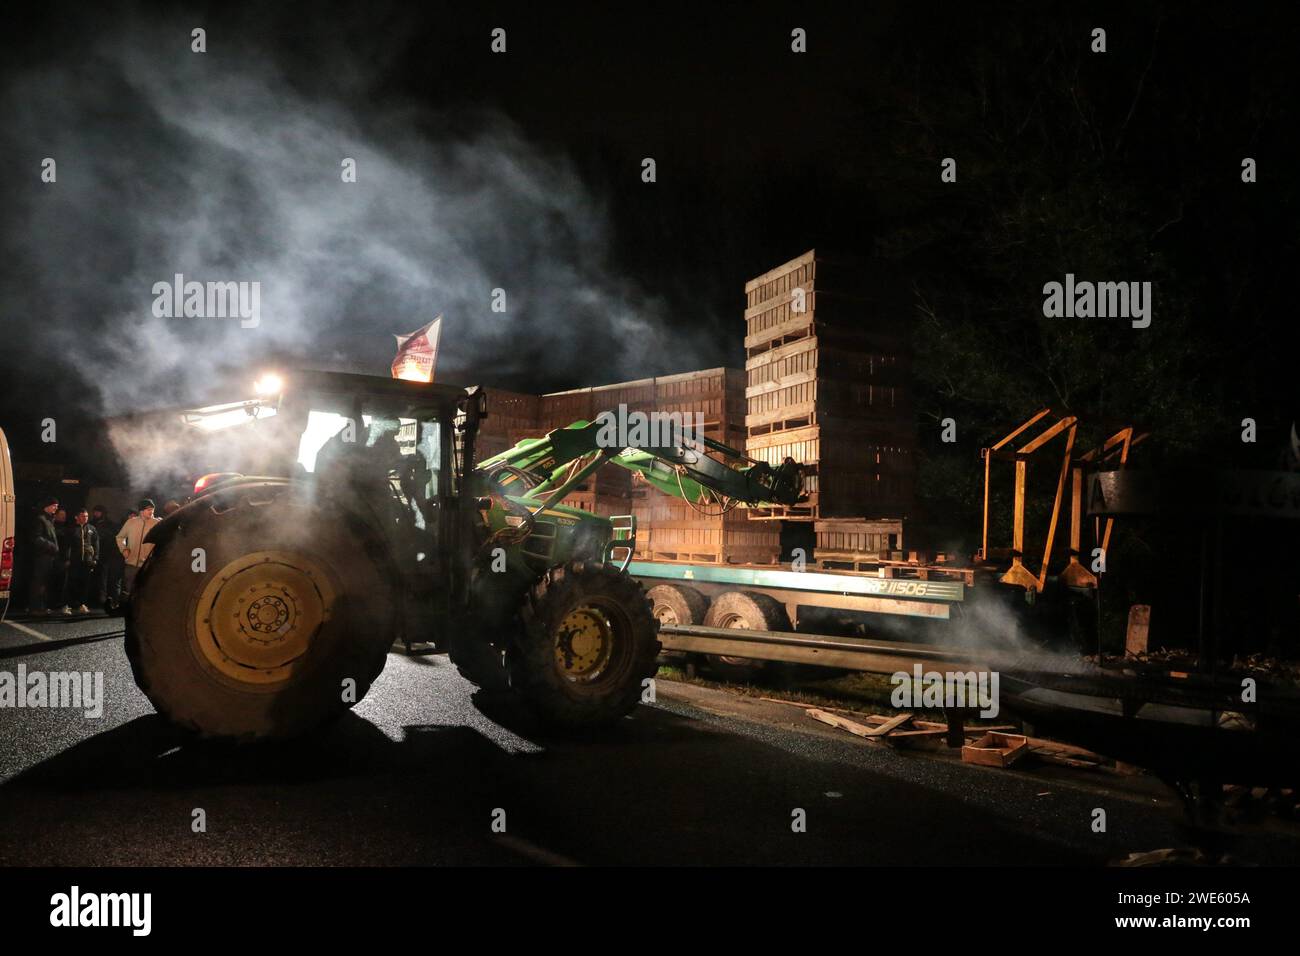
[
  {"x": 995, "y": 749},
  {"x": 853, "y": 727}
]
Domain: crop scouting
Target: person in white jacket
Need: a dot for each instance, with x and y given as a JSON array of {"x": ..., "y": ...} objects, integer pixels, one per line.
[{"x": 130, "y": 541}]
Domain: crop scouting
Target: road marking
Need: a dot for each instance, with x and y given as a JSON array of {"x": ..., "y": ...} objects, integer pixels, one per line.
[
  {"x": 27, "y": 630},
  {"x": 535, "y": 852}
]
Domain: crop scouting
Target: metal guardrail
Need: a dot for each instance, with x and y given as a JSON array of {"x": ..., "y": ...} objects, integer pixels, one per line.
[{"x": 848, "y": 653}]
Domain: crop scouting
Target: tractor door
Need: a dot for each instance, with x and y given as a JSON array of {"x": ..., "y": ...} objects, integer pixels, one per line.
[{"x": 392, "y": 464}]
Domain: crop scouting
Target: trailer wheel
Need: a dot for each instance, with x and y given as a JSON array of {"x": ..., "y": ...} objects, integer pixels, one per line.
[
  {"x": 677, "y": 604},
  {"x": 588, "y": 642},
  {"x": 284, "y": 623},
  {"x": 746, "y": 610}
]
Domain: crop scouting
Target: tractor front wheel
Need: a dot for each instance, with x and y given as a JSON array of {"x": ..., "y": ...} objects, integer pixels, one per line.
[{"x": 589, "y": 642}]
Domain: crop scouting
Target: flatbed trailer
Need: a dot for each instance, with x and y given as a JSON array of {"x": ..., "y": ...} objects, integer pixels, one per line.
[
  {"x": 763, "y": 608},
  {"x": 842, "y": 590}
]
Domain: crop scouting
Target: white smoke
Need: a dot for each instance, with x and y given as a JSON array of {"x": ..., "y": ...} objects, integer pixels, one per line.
[{"x": 221, "y": 167}]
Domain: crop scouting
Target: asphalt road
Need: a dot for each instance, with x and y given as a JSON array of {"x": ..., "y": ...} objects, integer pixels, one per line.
[{"x": 415, "y": 773}]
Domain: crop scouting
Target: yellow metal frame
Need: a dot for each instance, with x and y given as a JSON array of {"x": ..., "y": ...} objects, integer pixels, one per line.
[
  {"x": 1117, "y": 446},
  {"x": 1018, "y": 574}
]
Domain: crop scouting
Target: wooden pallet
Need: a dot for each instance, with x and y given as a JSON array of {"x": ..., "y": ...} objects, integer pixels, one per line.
[
  {"x": 860, "y": 535},
  {"x": 710, "y": 557},
  {"x": 875, "y": 565},
  {"x": 806, "y": 512}
]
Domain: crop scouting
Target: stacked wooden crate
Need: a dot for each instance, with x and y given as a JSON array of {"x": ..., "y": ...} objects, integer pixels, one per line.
[
  {"x": 670, "y": 529},
  {"x": 511, "y": 416},
  {"x": 609, "y": 490},
  {"x": 717, "y": 394},
  {"x": 826, "y": 384},
  {"x": 852, "y": 545}
]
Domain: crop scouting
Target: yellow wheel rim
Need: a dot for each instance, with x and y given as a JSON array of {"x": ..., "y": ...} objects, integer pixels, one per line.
[
  {"x": 258, "y": 615},
  {"x": 584, "y": 643}
]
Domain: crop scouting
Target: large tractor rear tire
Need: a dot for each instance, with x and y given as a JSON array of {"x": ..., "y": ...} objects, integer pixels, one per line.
[
  {"x": 751, "y": 611},
  {"x": 589, "y": 642},
  {"x": 285, "y": 624}
]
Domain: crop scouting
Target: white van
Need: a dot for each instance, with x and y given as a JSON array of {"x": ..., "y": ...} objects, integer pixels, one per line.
[{"x": 6, "y": 518}]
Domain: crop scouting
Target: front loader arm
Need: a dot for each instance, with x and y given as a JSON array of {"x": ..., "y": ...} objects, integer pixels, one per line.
[{"x": 700, "y": 471}]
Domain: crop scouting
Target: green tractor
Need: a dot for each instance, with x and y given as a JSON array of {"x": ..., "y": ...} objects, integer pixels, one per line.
[{"x": 270, "y": 602}]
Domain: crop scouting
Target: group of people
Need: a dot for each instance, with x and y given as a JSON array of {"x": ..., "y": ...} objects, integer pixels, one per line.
[{"x": 87, "y": 559}]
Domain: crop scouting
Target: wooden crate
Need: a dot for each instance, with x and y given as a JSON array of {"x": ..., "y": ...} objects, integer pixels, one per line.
[
  {"x": 781, "y": 280},
  {"x": 609, "y": 479},
  {"x": 827, "y": 384},
  {"x": 669, "y": 529},
  {"x": 715, "y": 541},
  {"x": 651, "y": 504},
  {"x": 708, "y": 381},
  {"x": 837, "y": 320},
  {"x": 995, "y": 749},
  {"x": 852, "y": 469},
  {"x": 854, "y": 535},
  {"x": 717, "y": 393},
  {"x": 638, "y": 395},
  {"x": 489, "y": 446},
  {"x": 849, "y": 496},
  {"x": 600, "y": 504},
  {"x": 829, "y": 270},
  {"x": 809, "y": 402},
  {"x": 800, "y": 383},
  {"x": 855, "y": 446},
  {"x": 716, "y": 409},
  {"x": 809, "y": 359},
  {"x": 510, "y": 413},
  {"x": 885, "y": 565},
  {"x": 559, "y": 409}
]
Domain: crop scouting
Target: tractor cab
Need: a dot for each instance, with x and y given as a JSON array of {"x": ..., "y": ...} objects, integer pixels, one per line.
[{"x": 386, "y": 456}]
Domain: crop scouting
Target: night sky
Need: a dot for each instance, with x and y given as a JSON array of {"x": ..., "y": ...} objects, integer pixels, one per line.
[{"x": 761, "y": 154}]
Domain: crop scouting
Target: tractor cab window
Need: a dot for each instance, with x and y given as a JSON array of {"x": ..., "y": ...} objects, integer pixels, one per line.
[
  {"x": 408, "y": 449},
  {"x": 322, "y": 427},
  {"x": 403, "y": 453}
]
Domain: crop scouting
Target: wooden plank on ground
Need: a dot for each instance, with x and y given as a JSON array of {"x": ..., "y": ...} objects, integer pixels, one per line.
[
  {"x": 843, "y": 723},
  {"x": 889, "y": 725},
  {"x": 931, "y": 729},
  {"x": 854, "y": 727},
  {"x": 1039, "y": 743}
]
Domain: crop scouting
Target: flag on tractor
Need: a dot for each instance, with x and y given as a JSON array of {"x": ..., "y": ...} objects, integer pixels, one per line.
[{"x": 417, "y": 353}]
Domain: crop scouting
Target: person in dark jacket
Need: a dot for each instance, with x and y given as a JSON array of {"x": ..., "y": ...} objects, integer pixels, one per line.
[
  {"x": 57, "y": 596},
  {"x": 82, "y": 553},
  {"x": 108, "y": 575},
  {"x": 45, "y": 554}
]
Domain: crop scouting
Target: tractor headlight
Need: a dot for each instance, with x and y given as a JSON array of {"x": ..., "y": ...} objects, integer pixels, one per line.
[{"x": 269, "y": 385}]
